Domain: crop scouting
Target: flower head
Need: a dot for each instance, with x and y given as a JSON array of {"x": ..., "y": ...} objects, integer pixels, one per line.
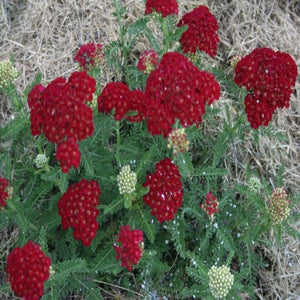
[
  {"x": 68, "y": 154},
  {"x": 220, "y": 281},
  {"x": 166, "y": 7},
  {"x": 210, "y": 206},
  {"x": 59, "y": 111},
  {"x": 7, "y": 73},
  {"x": 278, "y": 205},
  {"x": 126, "y": 180},
  {"x": 40, "y": 160},
  {"x": 148, "y": 61},
  {"x": 201, "y": 32},
  {"x": 269, "y": 77},
  {"x": 4, "y": 192},
  {"x": 177, "y": 89},
  {"x": 78, "y": 209},
  {"x": 116, "y": 95},
  {"x": 27, "y": 269},
  {"x": 89, "y": 55},
  {"x": 254, "y": 184},
  {"x": 130, "y": 246},
  {"x": 178, "y": 141},
  {"x": 165, "y": 190}
]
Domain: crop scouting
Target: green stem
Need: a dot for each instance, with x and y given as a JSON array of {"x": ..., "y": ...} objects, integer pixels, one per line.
[
  {"x": 122, "y": 41},
  {"x": 118, "y": 142},
  {"x": 166, "y": 35}
]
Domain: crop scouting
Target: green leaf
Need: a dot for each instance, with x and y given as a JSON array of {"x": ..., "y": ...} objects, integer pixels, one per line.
[
  {"x": 37, "y": 80},
  {"x": 184, "y": 163},
  {"x": 63, "y": 270},
  {"x": 13, "y": 128},
  {"x": 114, "y": 206},
  {"x": 63, "y": 182}
]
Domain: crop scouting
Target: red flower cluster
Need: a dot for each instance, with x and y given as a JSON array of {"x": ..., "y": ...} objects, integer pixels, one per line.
[
  {"x": 78, "y": 209},
  {"x": 269, "y": 77},
  {"x": 116, "y": 95},
  {"x": 131, "y": 248},
  {"x": 89, "y": 55},
  {"x": 27, "y": 269},
  {"x": 68, "y": 154},
  {"x": 59, "y": 111},
  {"x": 177, "y": 89},
  {"x": 148, "y": 61},
  {"x": 3, "y": 191},
  {"x": 211, "y": 205},
  {"x": 201, "y": 32},
  {"x": 166, "y": 7},
  {"x": 165, "y": 190}
]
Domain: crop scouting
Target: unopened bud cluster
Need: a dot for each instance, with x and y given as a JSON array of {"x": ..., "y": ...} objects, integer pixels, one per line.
[
  {"x": 220, "y": 281},
  {"x": 94, "y": 103},
  {"x": 126, "y": 180},
  {"x": 7, "y": 73},
  {"x": 178, "y": 141},
  {"x": 40, "y": 160},
  {"x": 254, "y": 185},
  {"x": 192, "y": 56},
  {"x": 278, "y": 205},
  {"x": 234, "y": 61}
]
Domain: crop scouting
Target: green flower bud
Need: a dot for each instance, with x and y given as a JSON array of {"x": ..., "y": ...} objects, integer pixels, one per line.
[
  {"x": 7, "y": 73},
  {"x": 178, "y": 141},
  {"x": 126, "y": 181},
  {"x": 220, "y": 281},
  {"x": 40, "y": 160},
  {"x": 254, "y": 185},
  {"x": 278, "y": 205}
]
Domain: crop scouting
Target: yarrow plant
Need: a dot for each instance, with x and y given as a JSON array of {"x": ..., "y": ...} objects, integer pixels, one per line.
[
  {"x": 156, "y": 144},
  {"x": 4, "y": 192},
  {"x": 278, "y": 206},
  {"x": 165, "y": 190},
  {"x": 78, "y": 209},
  {"x": 220, "y": 281},
  {"x": 27, "y": 269},
  {"x": 126, "y": 181},
  {"x": 7, "y": 73},
  {"x": 178, "y": 141},
  {"x": 89, "y": 56},
  {"x": 130, "y": 246},
  {"x": 148, "y": 61},
  {"x": 268, "y": 77},
  {"x": 210, "y": 206}
]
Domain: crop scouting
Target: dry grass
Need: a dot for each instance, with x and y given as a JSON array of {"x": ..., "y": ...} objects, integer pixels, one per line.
[{"x": 44, "y": 35}]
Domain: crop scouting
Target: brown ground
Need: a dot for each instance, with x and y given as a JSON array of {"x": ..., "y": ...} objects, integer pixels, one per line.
[{"x": 44, "y": 35}]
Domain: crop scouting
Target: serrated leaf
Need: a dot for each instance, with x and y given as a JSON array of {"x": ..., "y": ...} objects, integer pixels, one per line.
[
  {"x": 113, "y": 207},
  {"x": 184, "y": 163}
]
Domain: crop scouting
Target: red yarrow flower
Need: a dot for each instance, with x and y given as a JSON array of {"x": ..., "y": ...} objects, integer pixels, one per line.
[
  {"x": 89, "y": 55},
  {"x": 210, "y": 206},
  {"x": 166, "y": 7},
  {"x": 78, "y": 209},
  {"x": 68, "y": 154},
  {"x": 269, "y": 77},
  {"x": 130, "y": 246},
  {"x": 148, "y": 61},
  {"x": 165, "y": 190},
  {"x": 116, "y": 95},
  {"x": 177, "y": 89},
  {"x": 201, "y": 32},
  {"x": 27, "y": 269},
  {"x": 4, "y": 193},
  {"x": 59, "y": 111}
]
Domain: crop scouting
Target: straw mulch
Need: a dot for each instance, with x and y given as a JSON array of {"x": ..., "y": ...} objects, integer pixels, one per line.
[{"x": 44, "y": 35}]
